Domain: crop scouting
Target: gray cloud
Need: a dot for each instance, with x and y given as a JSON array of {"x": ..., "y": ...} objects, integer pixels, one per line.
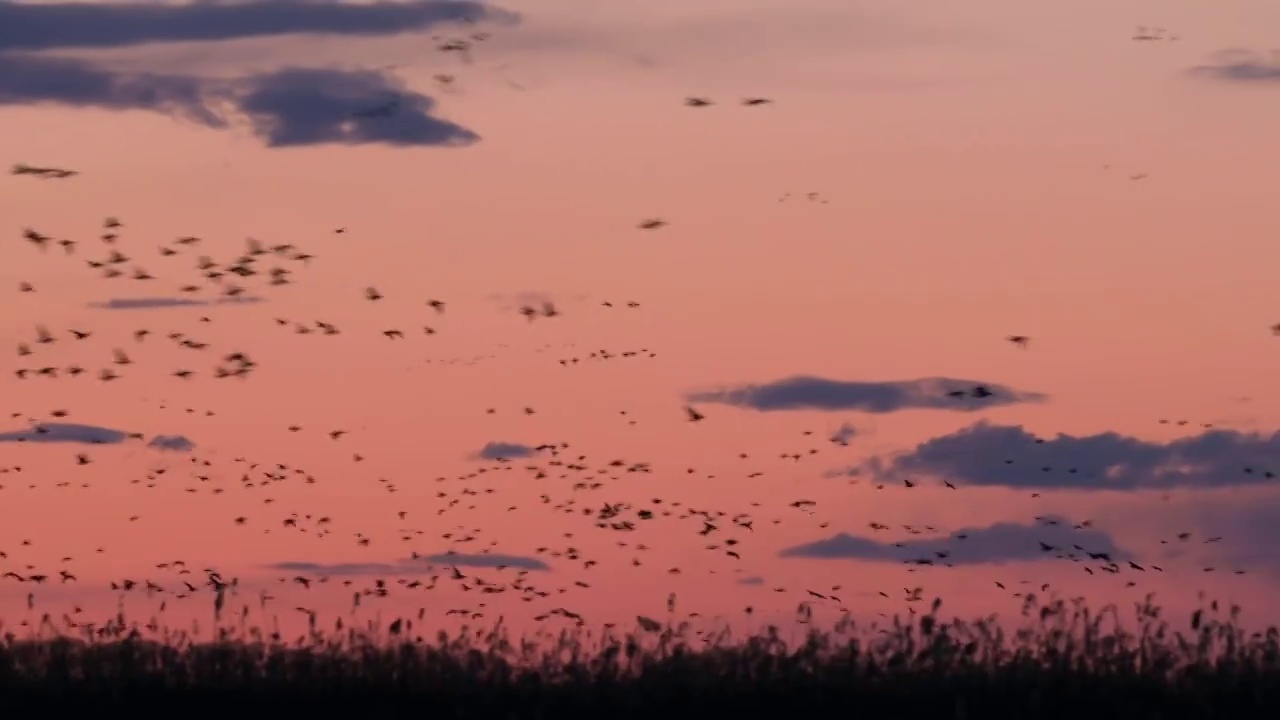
[
  {"x": 993, "y": 544},
  {"x": 813, "y": 393},
  {"x": 168, "y": 302},
  {"x": 844, "y": 433},
  {"x": 487, "y": 560},
  {"x": 298, "y": 106},
  {"x": 46, "y": 26},
  {"x": 504, "y": 451},
  {"x": 1247, "y": 520},
  {"x": 409, "y": 566},
  {"x": 348, "y": 568},
  {"x": 75, "y": 433},
  {"x": 283, "y": 108},
  {"x": 31, "y": 79},
  {"x": 175, "y": 443},
  {"x": 753, "y": 580},
  {"x": 514, "y": 300},
  {"x": 66, "y": 433},
  {"x": 1242, "y": 66},
  {"x": 1008, "y": 456}
]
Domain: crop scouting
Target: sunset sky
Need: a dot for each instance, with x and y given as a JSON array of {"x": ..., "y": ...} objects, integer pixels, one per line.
[{"x": 930, "y": 178}]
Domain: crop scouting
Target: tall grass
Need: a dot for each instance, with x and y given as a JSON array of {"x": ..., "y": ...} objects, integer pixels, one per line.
[{"x": 1061, "y": 660}]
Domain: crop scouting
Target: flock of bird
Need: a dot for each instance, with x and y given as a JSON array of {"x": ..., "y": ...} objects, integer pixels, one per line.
[
  {"x": 571, "y": 479},
  {"x": 590, "y": 494}
]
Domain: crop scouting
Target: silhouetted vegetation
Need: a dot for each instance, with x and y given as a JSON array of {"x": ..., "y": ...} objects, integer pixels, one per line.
[{"x": 1064, "y": 662}]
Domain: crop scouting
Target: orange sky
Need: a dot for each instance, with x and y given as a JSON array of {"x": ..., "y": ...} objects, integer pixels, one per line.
[{"x": 975, "y": 162}]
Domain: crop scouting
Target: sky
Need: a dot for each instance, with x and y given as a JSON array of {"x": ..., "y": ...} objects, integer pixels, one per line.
[{"x": 929, "y": 179}]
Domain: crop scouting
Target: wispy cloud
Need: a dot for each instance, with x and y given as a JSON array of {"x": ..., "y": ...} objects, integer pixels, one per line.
[
  {"x": 314, "y": 568},
  {"x": 814, "y": 393},
  {"x": 169, "y": 302},
  {"x": 993, "y": 544},
  {"x": 844, "y": 433},
  {"x": 411, "y": 566},
  {"x": 1242, "y": 66},
  {"x": 1009, "y": 456},
  {"x": 487, "y": 560}
]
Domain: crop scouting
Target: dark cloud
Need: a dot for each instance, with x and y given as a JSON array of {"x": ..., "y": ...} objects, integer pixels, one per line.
[
  {"x": 175, "y": 443},
  {"x": 284, "y": 108},
  {"x": 1242, "y": 66},
  {"x": 504, "y": 451},
  {"x": 46, "y": 26},
  {"x": 753, "y": 580},
  {"x": 993, "y": 544},
  {"x": 153, "y": 303},
  {"x": 299, "y": 106},
  {"x": 66, "y": 433},
  {"x": 813, "y": 393},
  {"x": 410, "y": 566},
  {"x": 1008, "y": 456},
  {"x": 32, "y": 79}
]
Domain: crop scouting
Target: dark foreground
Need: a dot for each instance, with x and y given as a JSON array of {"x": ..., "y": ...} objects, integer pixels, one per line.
[{"x": 1065, "y": 663}]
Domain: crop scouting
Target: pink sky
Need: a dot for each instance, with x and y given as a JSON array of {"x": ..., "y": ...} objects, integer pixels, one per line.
[{"x": 975, "y": 160}]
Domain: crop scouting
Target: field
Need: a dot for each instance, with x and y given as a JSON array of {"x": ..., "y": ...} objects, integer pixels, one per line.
[{"x": 1061, "y": 661}]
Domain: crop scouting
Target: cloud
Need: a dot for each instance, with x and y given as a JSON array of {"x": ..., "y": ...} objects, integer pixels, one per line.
[
  {"x": 1242, "y": 66},
  {"x": 515, "y": 300},
  {"x": 410, "y": 566},
  {"x": 348, "y": 568},
  {"x": 844, "y": 434},
  {"x": 298, "y": 106},
  {"x": 153, "y": 303},
  {"x": 283, "y": 108},
  {"x": 504, "y": 451},
  {"x": 993, "y": 544},
  {"x": 487, "y": 560},
  {"x": 1009, "y": 456},
  {"x": 175, "y": 443},
  {"x": 1247, "y": 521},
  {"x": 66, "y": 433},
  {"x": 30, "y": 79},
  {"x": 753, "y": 580},
  {"x": 813, "y": 393},
  {"x": 47, "y": 26},
  {"x": 91, "y": 435}
]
